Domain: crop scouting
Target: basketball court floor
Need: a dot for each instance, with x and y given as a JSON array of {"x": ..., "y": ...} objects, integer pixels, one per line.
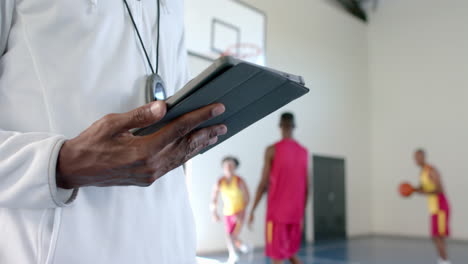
[{"x": 365, "y": 250}]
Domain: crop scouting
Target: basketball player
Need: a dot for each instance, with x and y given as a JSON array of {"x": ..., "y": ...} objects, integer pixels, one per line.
[
  {"x": 431, "y": 186},
  {"x": 235, "y": 196},
  {"x": 285, "y": 178}
]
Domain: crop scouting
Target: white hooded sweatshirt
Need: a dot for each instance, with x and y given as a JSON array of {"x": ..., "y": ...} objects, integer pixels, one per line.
[{"x": 64, "y": 64}]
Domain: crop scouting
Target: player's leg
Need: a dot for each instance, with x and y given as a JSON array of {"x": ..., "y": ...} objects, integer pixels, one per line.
[
  {"x": 277, "y": 261},
  {"x": 295, "y": 239},
  {"x": 241, "y": 246},
  {"x": 295, "y": 260},
  {"x": 233, "y": 257},
  {"x": 441, "y": 247},
  {"x": 440, "y": 230},
  {"x": 236, "y": 234},
  {"x": 230, "y": 226}
]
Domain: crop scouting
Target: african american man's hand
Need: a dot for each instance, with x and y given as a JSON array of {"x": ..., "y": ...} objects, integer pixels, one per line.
[{"x": 107, "y": 154}]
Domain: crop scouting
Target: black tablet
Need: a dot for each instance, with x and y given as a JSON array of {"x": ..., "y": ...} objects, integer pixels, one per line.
[{"x": 248, "y": 91}]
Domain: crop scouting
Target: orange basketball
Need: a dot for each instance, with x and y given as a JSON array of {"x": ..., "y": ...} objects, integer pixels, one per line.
[{"x": 406, "y": 189}]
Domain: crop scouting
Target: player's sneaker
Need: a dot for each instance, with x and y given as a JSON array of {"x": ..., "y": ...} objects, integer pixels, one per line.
[
  {"x": 244, "y": 248},
  {"x": 441, "y": 261},
  {"x": 233, "y": 259}
]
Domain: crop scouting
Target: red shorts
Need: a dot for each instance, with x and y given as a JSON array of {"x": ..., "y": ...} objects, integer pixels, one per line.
[
  {"x": 282, "y": 240},
  {"x": 440, "y": 219},
  {"x": 440, "y": 226},
  {"x": 232, "y": 223}
]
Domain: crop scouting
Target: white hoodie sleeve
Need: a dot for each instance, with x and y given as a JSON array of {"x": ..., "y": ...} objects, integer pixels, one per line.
[
  {"x": 28, "y": 160},
  {"x": 27, "y": 171}
]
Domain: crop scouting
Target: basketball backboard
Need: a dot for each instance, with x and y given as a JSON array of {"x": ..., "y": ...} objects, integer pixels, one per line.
[{"x": 225, "y": 27}]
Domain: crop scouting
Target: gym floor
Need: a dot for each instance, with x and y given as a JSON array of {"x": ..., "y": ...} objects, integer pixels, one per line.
[{"x": 366, "y": 250}]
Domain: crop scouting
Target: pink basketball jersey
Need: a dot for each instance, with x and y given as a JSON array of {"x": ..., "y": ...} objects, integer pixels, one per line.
[{"x": 288, "y": 183}]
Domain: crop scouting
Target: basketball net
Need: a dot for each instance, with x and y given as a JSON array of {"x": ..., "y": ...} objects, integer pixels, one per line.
[{"x": 245, "y": 51}]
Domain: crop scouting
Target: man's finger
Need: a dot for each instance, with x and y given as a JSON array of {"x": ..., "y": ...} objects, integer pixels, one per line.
[
  {"x": 183, "y": 125},
  {"x": 200, "y": 139},
  {"x": 185, "y": 148},
  {"x": 139, "y": 117},
  {"x": 177, "y": 153}
]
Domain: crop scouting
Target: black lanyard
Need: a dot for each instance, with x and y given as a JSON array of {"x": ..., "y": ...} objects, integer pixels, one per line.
[
  {"x": 155, "y": 88},
  {"x": 153, "y": 70}
]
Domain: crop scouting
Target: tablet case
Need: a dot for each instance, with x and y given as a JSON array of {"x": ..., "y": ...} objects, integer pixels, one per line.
[{"x": 248, "y": 92}]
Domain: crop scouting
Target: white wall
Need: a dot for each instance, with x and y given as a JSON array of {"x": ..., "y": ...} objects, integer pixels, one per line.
[
  {"x": 329, "y": 49},
  {"x": 419, "y": 67}
]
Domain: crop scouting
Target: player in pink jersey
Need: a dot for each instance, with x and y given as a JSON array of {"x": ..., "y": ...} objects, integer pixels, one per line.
[{"x": 285, "y": 179}]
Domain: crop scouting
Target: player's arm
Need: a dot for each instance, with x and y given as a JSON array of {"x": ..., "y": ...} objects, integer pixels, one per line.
[
  {"x": 263, "y": 185},
  {"x": 214, "y": 201},
  {"x": 419, "y": 189},
  {"x": 245, "y": 192},
  {"x": 309, "y": 172},
  {"x": 435, "y": 177}
]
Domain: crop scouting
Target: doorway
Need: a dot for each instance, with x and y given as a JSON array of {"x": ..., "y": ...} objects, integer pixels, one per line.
[{"x": 329, "y": 198}]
